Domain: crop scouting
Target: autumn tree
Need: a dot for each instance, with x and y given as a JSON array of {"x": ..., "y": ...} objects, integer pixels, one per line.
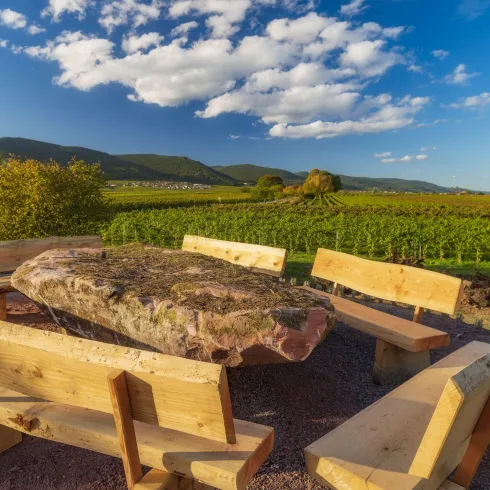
[
  {"x": 268, "y": 187},
  {"x": 46, "y": 199},
  {"x": 320, "y": 182}
]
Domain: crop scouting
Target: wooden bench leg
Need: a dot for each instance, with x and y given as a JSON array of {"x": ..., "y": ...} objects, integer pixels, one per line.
[
  {"x": 393, "y": 364},
  {"x": 161, "y": 480},
  {"x": 3, "y": 307},
  {"x": 8, "y": 438}
]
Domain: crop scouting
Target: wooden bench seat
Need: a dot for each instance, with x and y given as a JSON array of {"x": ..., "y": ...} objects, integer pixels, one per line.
[
  {"x": 402, "y": 347},
  {"x": 257, "y": 258},
  {"x": 414, "y": 437},
  {"x": 166, "y": 412}
]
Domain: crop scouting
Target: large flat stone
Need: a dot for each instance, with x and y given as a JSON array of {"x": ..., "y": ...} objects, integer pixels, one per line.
[{"x": 177, "y": 303}]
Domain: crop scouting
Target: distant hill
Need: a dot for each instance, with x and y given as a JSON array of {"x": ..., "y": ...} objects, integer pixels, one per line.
[
  {"x": 252, "y": 173},
  {"x": 114, "y": 167},
  {"x": 181, "y": 168}
]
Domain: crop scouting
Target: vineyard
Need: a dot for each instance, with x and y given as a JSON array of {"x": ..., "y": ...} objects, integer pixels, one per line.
[{"x": 437, "y": 230}]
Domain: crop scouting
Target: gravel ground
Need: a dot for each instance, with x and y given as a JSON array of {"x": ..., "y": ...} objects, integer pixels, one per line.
[{"x": 301, "y": 401}]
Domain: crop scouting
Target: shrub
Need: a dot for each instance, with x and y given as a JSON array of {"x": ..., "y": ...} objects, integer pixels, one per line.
[
  {"x": 268, "y": 187},
  {"x": 39, "y": 200}
]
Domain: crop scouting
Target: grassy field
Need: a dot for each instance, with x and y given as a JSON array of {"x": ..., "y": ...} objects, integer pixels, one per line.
[{"x": 129, "y": 198}]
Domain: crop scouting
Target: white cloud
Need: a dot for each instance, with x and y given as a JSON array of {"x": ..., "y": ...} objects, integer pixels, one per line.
[
  {"x": 459, "y": 76},
  {"x": 183, "y": 29},
  {"x": 234, "y": 136},
  {"x": 389, "y": 160},
  {"x": 34, "y": 29},
  {"x": 305, "y": 77},
  {"x": 382, "y": 155},
  {"x": 422, "y": 157},
  {"x": 406, "y": 158},
  {"x": 473, "y": 102},
  {"x": 415, "y": 69},
  {"x": 122, "y": 12},
  {"x": 135, "y": 43},
  {"x": 355, "y": 7},
  {"x": 471, "y": 9},
  {"x": 4, "y": 43},
  {"x": 369, "y": 58},
  {"x": 57, "y": 8},
  {"x": 12, "y": 19},
  {"x": 440, "y": 54}
]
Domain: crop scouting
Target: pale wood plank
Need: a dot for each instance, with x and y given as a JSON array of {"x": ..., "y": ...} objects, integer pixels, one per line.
[
  {"x": 172, "y": 392},
  {"x": 392, "y": 282},
  {"x": 418, "y": 314},
  {"x": 15, "y": 252},
  {"x": 161, "y": 480},
  {"x": 408, "y": 335},
  {"x": 477, "y": 447},
  {"x": 455, "y": 417},
  {"x": 258, "y": 258},
  {"x": 123, "y": 418},
  {"x": 225, "y": 466},
  {"x": 376, "y": 448},
  {"x": 5, "y": 285},
  {"x": 336, "y": 289},
  {"x": 9, "y": 438},
  {"x": 3, "y": 306}
]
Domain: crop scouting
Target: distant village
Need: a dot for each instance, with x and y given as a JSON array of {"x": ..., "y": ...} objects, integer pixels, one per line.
[{"x": 164, "y": 184}]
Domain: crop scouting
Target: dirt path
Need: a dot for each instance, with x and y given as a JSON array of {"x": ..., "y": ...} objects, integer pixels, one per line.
[{"x": 302, "y": 401}]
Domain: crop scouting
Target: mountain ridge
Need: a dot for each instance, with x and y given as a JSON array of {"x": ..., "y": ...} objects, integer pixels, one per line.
[{"x": 181, "y": 168}]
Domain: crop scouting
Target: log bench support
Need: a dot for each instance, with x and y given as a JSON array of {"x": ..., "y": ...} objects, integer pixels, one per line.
[{"x": 392, "y": 364}]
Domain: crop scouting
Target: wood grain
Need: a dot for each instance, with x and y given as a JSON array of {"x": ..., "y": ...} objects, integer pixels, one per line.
[
  {"x": 123, "y": 418},
  {"x": 15, "y": 252},
  {"x": 182, "y": 394},
  {"x": 376, "y": 448},
  {"x": 405, "y": 334},
  {"x": 258, "y": 258},
  {"x": 392, "y": 282},
  {"x": 3, "y": 306},
  {"x": 218, "y": 464}
]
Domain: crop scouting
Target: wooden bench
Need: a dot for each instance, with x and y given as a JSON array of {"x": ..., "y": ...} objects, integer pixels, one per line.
[
  {"x": 257, "y": 258},
  {"x": 169, "y": 413},
  {"x": 402, "y": 347},
  {"x": 15, "y": 252},
  {"x": 415, "y": 436}
]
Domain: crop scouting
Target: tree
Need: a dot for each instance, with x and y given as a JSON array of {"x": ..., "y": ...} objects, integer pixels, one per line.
[
  {"x": 268, "y": 187},
  {"x": 39, "y": 200},
  {"x": 321, "y": 182}
]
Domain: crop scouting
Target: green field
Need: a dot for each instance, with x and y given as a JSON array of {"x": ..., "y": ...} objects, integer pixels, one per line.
[
  {"x": 127, "y": 198},
  {"x": 452, "y": 230}
]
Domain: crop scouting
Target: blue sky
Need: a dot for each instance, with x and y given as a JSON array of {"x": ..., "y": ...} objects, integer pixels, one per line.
[{"x": 379, "y": 88}]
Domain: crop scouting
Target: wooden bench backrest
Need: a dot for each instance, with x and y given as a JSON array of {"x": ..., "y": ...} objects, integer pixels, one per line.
[
  {"x": 392, "y": 282},
  {"x": 258, "y": 258},
  {"x": 15, "y": 252},
  {"x": 455, "y": 416},
  {"x": 171, "y": 392}
]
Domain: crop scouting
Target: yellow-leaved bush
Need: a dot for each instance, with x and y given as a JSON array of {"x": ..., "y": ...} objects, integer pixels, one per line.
[{"x": 48, "y": 199}]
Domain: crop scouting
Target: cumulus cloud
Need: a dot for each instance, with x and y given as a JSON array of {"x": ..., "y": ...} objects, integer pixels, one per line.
[
  {"x": 12, "y": 19},
  {"x": 422, "y": 157},
  {"x": 183, "y": 29},
  {"x": 406, "y": 158},
  {"x": 459, "y": 76},
  {"x": 473, "y": 102},
  {"x": 4, "y": 43},
  {"x": 135, "y": 43},
  {"x": 355, "y": 7},
  {"x": 440, "y": 54},
  {"x": 57, "y": 8},
  {"x": 383, "y": 155},
  {"x": 122, "y": 12},
  {"x": 304, "y": 77}
]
